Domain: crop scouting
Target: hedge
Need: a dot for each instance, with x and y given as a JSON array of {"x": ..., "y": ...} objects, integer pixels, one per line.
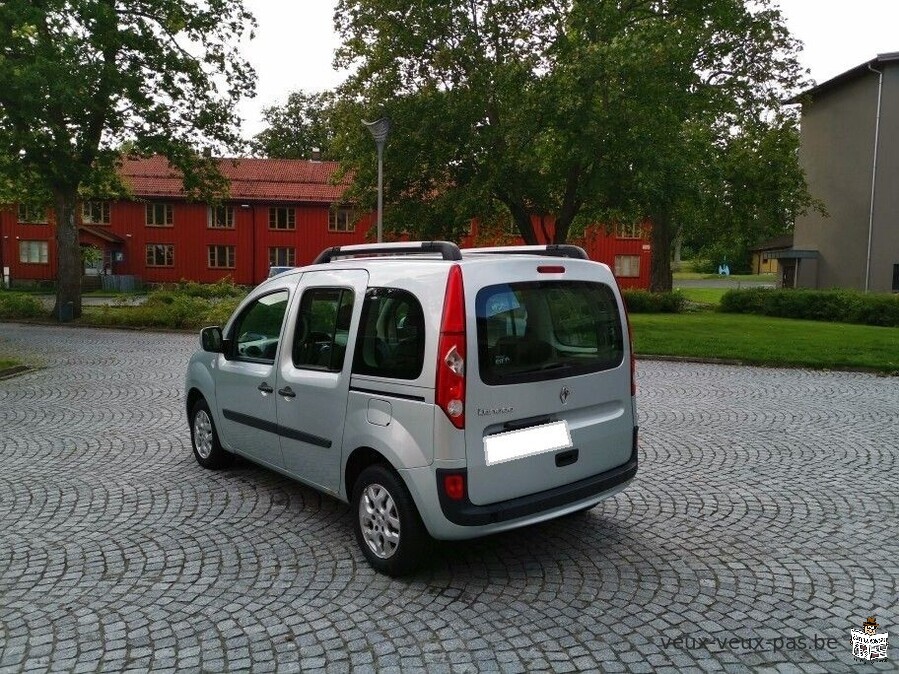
[
  {"x": 20, "y": 305},
  {"x": 837, "y": 306},
  {"x": 644, "y": 302}
]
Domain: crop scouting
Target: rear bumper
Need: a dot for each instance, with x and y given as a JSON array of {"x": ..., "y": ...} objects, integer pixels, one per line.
[
  {"x": 466, "y": 513},
  {"x": 446, "y": 519}
]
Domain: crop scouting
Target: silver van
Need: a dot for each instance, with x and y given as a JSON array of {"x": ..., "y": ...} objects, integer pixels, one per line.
[{"x": 443, "y": 393}]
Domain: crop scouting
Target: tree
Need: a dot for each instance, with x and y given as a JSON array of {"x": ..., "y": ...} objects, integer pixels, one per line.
[
  {"x": 760, "y": 190},
  {"x": 297, "y": 128},
  {"x": 81, "y": 78},
  {"x": 589, "y": 111}
]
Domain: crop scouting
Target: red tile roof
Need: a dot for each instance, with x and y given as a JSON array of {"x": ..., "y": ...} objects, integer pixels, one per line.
[{"x": 291, "y": 180}]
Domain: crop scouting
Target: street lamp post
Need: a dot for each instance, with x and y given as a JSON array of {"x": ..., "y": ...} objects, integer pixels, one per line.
[{"x": 380, "y": 129}]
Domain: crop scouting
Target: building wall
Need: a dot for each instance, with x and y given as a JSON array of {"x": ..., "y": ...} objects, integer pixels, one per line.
[
  {"x": 191, "y": 236},
  {"x": 763, "y": 265},
  {"x": 12, "y": 233},
  {"x": 251, "y": 236},
  {"x": 885, "y": 235},
  {"x": 600, "y": 245},
  {"x": 837, "y": 152}
]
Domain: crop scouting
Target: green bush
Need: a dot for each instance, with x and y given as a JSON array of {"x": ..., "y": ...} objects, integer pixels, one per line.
[
  {"x": 644, "y": 302},
  {"x": 165, "y": 310},
  {"x": 223, "y": 288},
  {"x": 838, "y": 306},
  {"x": 20, "y": 305}
]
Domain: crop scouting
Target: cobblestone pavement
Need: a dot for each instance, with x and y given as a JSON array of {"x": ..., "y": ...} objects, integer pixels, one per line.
[{"x": 764, "y": 511}]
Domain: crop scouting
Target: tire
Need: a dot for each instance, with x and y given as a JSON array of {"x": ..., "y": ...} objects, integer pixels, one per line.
[
  {"x": 382, "y": 505},
  {"x": 204, "y": 439}
]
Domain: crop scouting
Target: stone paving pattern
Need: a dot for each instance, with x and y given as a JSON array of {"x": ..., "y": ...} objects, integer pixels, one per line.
[{"x": 765, "y": 508}]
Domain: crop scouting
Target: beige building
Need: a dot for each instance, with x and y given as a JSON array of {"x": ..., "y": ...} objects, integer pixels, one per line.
[{"x": 850, "y": 153}]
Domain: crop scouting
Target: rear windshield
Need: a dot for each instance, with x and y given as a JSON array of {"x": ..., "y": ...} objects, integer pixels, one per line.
[{"x": 547, "y": 329}]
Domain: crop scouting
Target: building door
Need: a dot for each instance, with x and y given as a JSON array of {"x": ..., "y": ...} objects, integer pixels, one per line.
[
  {"x": 787, "y": 273},
  {"x": 896, "y": 278}
]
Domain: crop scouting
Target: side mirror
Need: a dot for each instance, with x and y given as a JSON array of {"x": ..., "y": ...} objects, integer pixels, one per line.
[{"x": 212, "y": 340}]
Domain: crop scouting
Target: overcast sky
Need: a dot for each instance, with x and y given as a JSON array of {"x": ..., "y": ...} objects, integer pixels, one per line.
[{"x": 295, "y": 42}]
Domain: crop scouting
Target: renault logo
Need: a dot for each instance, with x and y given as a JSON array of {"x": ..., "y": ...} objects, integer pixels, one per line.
[{"x": 564, "y": 393}]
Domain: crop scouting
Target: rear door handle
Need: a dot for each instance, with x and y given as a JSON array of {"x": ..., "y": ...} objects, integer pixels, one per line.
[
  {"x": 287, "y": 392},
  {"x": 265, "y": 388}
]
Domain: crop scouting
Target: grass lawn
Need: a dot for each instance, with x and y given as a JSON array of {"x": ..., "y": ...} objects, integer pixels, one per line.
[
  {"x": 710, "y": 296},
  {"x": 7, "y": 363},
  {"x": 767, "y": 341}
]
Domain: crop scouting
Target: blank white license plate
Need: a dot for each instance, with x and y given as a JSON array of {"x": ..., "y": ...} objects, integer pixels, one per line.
[{"x": 519, "y": 444}]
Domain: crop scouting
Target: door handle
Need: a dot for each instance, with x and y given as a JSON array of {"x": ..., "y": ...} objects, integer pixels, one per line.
[
  {"x": 265, "y": 388},
  {"x": 287, "y": 392}
]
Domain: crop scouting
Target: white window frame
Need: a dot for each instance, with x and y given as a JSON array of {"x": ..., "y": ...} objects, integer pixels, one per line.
[
  {"x": 629, "y": 230},
  {"x": 166, "y": 212},
  {"x": 168, "y": 254},
  {"x": 34, "y": 249},
  {"x": 216, "y": 252},
  {"x": 624, "y": 266},
  {"x": 220, "y": 217},
  {"x": 277, "y": 222},
  {"x": 32, "y": 215},
  {"x": 341, "y": 219},
  {"x": 274, "y": 257},
  {"x": 91, "y": 209}
]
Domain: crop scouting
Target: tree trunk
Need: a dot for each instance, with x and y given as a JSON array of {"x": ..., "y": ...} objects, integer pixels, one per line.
[
  {"x": 563, "y": 224},
  {"x": 68, "y": 257},
  {"x": 660, "y": 279},
  {"x": 678, "y": 244},
  {"x": 570, "y": 207},
  {"x": 523, "y": 222}
]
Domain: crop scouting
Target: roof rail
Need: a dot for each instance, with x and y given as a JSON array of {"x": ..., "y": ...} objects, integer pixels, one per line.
[
  {"x": 447, "y": 250},
  {"x": 550, "y": 250}
]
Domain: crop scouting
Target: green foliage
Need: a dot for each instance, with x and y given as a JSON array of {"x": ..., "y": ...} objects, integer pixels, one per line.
[
  {"x": 19, "y": 305},
  {"x": 179, "y": 305},
  {"x": 586, "y": 111},
  {"x": 84, "y": 82},
  {"x": 643, "y": 302},
  {"x": 298, "y": 127},
  {"x": 843, "y": 306},
  {"x": 165, "y": 310},
  {"x": 222, "y": 288},
  {"x": 761, "y": 190},
  {"x": 91, "y": 255}
]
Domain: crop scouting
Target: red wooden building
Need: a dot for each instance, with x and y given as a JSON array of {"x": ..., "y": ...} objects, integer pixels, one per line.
[{"x": 280, "y": 212}]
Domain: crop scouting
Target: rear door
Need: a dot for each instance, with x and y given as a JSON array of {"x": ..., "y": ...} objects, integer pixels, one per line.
[{"x": 548, "y": 380}]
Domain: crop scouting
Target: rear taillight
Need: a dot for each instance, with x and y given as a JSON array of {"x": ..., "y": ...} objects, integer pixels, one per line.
[{"x": 450, "y": 383}]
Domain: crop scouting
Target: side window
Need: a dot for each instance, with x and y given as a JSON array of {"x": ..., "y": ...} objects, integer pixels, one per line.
[
  {"x": 323, "y": 329},
  {"x": 391, "y": 341},
  {"x": 258, "y": 328}
]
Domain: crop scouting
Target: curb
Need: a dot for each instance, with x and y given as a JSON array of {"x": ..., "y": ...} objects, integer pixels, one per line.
[{"x": 15, "y": 370}]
